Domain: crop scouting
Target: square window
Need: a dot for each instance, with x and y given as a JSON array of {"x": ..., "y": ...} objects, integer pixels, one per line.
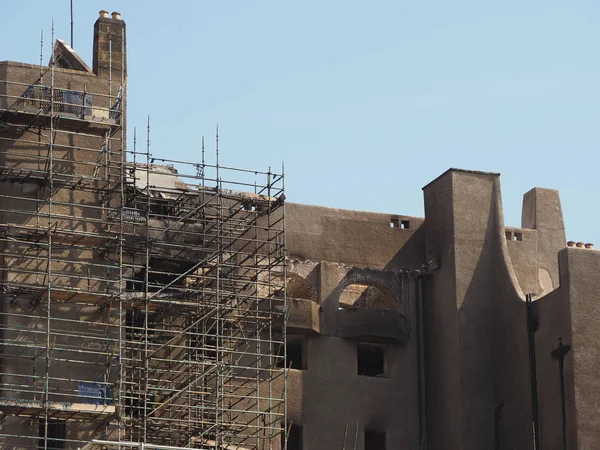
[
  {"x": 509, "y": 235},
  {"x": 203, "y": 342},
  {"x": 518, "y": 237},
  {"x": 375, "y": 440},
  {"x": 295, "y": 354},
  {"x": 135, "y": 324},
  {"x": 56, "y": 434},
  {"x": 372, "y": 360},
  {"x": 294, "y": 438},
  {"x": 394, "y": 223},
  {"x": 405, "y": 224}
]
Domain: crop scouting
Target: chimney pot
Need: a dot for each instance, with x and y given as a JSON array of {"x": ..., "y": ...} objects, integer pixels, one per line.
[
  {"x": 589, "y": 245},
  {"x": 580, "y": 245},
  {"x": 116, "y": 15},
  {"x": 571, "y": 244},
  {"x": 103, "y": 14}
]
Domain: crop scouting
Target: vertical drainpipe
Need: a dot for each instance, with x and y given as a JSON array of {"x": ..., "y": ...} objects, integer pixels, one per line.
[
  {"x": 497, "y": 427},
  {"x": 421, "y": 381},
  {"x": 559, "y": 353},
  {"x": 532, "y": 373}
]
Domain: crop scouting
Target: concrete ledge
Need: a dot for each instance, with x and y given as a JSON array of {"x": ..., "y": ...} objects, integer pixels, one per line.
[
  {"x": 34, "y": 408},
  {"x": 303, "y": 316},
  {"x": 373, "y": 324}
]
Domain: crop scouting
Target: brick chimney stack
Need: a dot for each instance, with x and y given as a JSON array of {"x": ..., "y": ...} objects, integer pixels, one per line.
[{"x": 109, "y": 34}]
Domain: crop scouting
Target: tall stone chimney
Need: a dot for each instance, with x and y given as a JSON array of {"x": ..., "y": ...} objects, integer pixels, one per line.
[{"x": 109, "y": 45}]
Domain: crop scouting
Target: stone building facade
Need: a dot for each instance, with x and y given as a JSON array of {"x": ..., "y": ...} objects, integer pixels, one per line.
[
  {"x": 447, "y": 332},
  {"x": 440, "y": 304}
]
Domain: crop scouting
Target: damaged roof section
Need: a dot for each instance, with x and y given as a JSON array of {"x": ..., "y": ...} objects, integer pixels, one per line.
[
  {"x": 163, "y": 181},
  {"x": 67, "y": 58}
]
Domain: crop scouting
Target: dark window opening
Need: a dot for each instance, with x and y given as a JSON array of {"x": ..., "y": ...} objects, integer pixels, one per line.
[
  {"x": 136, "y": 282},
  {"x": 394, "y": 223},
  {"x": 518, "y": 236},
  {"x": 135, "y": 321},
  {"x": 56, "y": 434},
  {"x": 371, "y": 360},
  {"x": 375, "y": 440},
  {"x": 163, "y": 272},
  {"x": 294, "y": 438},
  {"x": 404, "y": 224},
  {"x": 135, "y": 324},
  {"x": 134, "y": 404},
  {"x": 161, "y": 207},
  {"x": 295, "y": 356},
  {"x": 203, "y": 342}
]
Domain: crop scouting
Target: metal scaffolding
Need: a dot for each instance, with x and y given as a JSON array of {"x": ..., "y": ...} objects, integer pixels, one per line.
[{"x": 143, "y": 304}]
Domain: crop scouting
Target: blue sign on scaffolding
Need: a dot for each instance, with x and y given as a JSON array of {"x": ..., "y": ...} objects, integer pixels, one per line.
[{"x": 95, "y": 393}]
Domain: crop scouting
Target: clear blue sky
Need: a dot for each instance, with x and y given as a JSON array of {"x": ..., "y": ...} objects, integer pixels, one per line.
[{"x": 365, "y": 102}]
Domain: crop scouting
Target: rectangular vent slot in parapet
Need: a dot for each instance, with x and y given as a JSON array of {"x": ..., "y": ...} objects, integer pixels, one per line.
[
  {"x": 397, "y": 223},
  {"x": 514, "y": 236}
]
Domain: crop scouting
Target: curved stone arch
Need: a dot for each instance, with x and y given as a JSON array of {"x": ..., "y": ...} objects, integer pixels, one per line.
[
  {"x": 366, "y": 288},
  {"x": 357, "y": 295},
  {"x": 299, "y": 287},
  {"x": 296, "y": 286}
]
